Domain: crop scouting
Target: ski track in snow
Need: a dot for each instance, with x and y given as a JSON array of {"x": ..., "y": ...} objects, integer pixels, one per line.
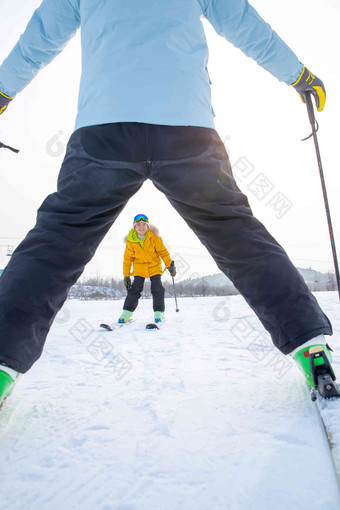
[{"x": 203, "y": 414}]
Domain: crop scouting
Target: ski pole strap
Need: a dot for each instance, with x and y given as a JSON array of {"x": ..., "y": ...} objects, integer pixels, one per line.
[
  {"x": 3, "y": 146},
  {"x": 310, "y": 109}
]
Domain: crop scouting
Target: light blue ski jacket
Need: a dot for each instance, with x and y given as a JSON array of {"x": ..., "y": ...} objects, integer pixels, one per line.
[{"x": 144, "y": 60}]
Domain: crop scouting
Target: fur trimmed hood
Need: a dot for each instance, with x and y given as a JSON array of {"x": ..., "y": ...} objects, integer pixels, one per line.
[{"x": 152, "y": 228}]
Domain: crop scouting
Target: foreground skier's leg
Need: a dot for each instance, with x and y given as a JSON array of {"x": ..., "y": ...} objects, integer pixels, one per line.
[
  {"x": 70, "y": 225},
  {"x": 200, "y": 185}
]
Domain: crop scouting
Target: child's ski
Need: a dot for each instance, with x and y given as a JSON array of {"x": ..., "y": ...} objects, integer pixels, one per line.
[
  {"x": 155, "y": 325},
  {"x": 113, "y": 327},
  {"x": 152, "y": 325}
]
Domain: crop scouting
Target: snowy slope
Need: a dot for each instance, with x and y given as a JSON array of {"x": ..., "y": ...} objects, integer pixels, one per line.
[{"x": 204, "y": 414}]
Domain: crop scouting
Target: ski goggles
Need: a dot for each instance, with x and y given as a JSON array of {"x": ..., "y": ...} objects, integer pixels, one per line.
[{"x": 140, "y": 217}]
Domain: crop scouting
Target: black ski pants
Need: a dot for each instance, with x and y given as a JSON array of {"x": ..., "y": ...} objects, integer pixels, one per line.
[
  {"x": 134, "y": 293},
  {"x": 103, "y": 167}
]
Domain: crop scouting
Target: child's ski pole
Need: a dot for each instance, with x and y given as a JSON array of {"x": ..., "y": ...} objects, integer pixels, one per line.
[{"x": 173, "y": 283}]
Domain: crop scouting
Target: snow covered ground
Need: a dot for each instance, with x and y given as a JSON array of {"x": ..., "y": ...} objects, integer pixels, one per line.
[{"x": 204, "y": 414}]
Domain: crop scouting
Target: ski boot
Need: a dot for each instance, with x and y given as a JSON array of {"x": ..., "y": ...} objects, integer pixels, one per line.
[
  {"x": 159, "y": 317},
  {"x": 315, "y": 361},
  {"x": 8, "y": 378},
  {"x": 125, "y": 316}
]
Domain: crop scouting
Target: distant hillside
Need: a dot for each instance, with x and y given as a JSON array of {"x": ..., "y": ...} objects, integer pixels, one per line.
[
  {"x": 314, "y": 279},
  {"x": 211, "y": 285}
]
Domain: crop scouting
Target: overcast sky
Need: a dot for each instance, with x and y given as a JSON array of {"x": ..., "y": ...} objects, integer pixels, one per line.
[{"x": 260, "y": 119}]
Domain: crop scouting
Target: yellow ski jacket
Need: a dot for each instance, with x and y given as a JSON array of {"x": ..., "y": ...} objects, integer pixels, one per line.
[{"x": 145, "y": 256}]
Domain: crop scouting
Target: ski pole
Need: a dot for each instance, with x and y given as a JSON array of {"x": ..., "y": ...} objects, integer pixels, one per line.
[
  {"x": 3, "y": 146},
  {"x": 311, "y": 115},
  {"x": 173, "y": 283}
]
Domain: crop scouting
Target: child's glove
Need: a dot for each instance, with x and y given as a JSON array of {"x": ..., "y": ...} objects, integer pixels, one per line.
[
  {"x": 127, "y": 282},
  {"x": 307, "y": 82},
  {"x": 4, "y": 102},
  {"x": 172, "y": 269}
]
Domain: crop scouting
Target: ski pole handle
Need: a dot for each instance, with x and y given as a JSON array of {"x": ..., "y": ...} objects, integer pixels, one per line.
[{"x": 310, "y": 109}]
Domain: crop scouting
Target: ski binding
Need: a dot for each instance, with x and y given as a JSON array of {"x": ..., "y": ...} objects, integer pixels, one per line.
[{"x": 323, "y": 375}]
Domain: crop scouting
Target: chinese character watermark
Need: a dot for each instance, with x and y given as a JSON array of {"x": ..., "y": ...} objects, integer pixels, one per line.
[
  {"x": 261, "y": 347},
  {"x": 100, "y": 348},
  {"x": 259, "y": 185}
]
